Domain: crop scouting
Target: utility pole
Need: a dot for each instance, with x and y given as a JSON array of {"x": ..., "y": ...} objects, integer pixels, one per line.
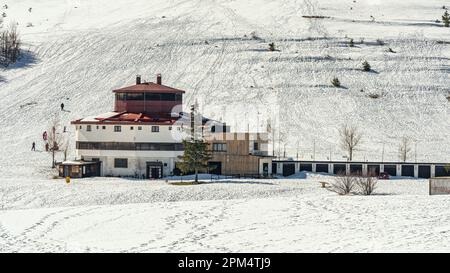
[
  {"x": 382, "y": 154},
  {"x": 314, "y": 150},
  {"x": 415, "y": 152}
]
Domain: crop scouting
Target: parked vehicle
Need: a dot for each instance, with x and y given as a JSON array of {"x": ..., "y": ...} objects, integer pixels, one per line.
[{"x": 384, "y": 175}]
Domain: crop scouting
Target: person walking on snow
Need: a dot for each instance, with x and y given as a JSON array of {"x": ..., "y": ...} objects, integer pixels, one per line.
[
  {"x": 62, "y": 106},
  {"x": 33, "y": 146},
  {"x": 44, "y": 136}
]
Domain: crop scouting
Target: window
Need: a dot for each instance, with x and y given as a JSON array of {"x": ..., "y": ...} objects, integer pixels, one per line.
[
  {"x": 219, "y": 147},
  {"x": 170, "y": 128},
  {"x": 97, "y": 127},
  {"x": 120, "y": 163},
  {"x": 80, "y": 127},
  {"x": 155, "y": 129},
  {"x": 117, "y": 128},
  {"x": 121, "y": 96},
  {"x": 88, "y": 128},
  {"x": 103, "y": 127},
  {"x": 135, "y": 96},
  {"x": 95, "y": 159},
  {"x": 131, "y": 128},
  {"x": 139, "y": 128},
  {"x": 255, "y": 146}
]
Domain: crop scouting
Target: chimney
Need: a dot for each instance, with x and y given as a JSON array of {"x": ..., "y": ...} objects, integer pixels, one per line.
[
  {"x": 138, "y": 79},
  {"x": 158, "y": 79}
]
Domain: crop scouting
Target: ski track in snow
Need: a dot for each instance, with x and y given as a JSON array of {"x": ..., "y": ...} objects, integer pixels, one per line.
[{"x": 78, "y": 55}]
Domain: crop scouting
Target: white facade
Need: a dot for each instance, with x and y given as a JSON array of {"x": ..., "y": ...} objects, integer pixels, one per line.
[{"x": 136, "y": 160}]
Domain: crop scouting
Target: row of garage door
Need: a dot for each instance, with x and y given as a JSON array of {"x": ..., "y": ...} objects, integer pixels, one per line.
[{"x": 424, "y": 171}]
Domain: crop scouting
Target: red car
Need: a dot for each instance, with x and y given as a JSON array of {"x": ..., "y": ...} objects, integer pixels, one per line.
[{"x": 383, "y": 175}]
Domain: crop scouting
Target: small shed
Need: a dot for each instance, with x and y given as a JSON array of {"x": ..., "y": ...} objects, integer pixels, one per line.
[{"x": 79, "y": 168}]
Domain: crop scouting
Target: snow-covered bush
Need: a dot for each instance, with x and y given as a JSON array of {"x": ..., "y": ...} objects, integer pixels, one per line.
[
  {"x": 366, "y": 66},
  {"x": 335, "y": 82},
  {"x": 343, "y": 184},
  {"x": 351, "y": 43},
  {"x": 366, "y": 184}
]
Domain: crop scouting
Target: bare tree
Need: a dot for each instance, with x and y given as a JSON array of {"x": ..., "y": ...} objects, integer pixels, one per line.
[
  {"x": 343, "y": 184},
  {"x": 9, "y": 45},
  {"x": 366, "y": 184},
  {"x": 56, "y": 139},
  {"x": 350, "y": 139},
  {"x": 404, "y": 148}
]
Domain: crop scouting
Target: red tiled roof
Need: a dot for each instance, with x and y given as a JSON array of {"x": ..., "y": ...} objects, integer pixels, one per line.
[
  {"x": 130, "y": 118},
  {"x": 149, "y": 87}
]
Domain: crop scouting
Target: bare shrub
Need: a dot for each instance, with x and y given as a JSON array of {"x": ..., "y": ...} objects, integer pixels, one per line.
[
  {"x": 350, "y": 139},
  {"x": 9, "y": 45},
  {"x": 343, "y": 184},
  {"x": 366, "y": 184},
  {"x": 374, "y": 95}
]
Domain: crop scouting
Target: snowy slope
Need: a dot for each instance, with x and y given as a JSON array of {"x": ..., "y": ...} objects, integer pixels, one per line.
[
  {"x": 80, "y": 50},
  {"x": 401, "y": 217}
]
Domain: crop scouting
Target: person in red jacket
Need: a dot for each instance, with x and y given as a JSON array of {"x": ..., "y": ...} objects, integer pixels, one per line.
[{"x": 44, "y": 136}]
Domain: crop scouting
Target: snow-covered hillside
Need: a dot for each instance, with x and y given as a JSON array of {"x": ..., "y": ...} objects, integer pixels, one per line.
[
  {"x": 279, "y": 215},
  {"x": 77, "y": 51}
]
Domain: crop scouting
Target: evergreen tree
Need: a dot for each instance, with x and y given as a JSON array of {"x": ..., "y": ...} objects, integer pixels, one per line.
[
  {"x": 366, "y": 66},
  {"x": 351, "y": 43},
  {"x": 446, "y": 19},
  {"x": 335, "y": 82},
  {"x": 195, "y": 157},
  {"x": 272, "y": 47}
]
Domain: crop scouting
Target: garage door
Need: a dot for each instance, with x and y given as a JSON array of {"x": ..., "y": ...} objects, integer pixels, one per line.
[
  {"x": 288, "y": 169},
  {"x": 322, "y": 168},
  {"x": 408, "y": 170},
  {"x": 390, "y": 169},
  {"x": 339, "y": 169},
  {"x": 424, "y": 171}
]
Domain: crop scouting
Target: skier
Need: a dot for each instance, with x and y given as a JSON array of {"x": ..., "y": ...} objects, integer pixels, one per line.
[
  {"x": 44, "y": 136},
  {"x": 46, "y": 147},
  {"x": 33, "y": 146},
  {"x": 62, "y": 106}
]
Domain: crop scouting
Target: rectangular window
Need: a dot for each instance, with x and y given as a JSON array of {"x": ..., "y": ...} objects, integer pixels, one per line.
[
  {"x": 97, "y": 127},
  {"x": 139, "y": 127},
  {"x": 88, "y": 128},
  {"x": 117, "y": 128},
  {"x": 131, "y": 128},
  {"x": 95, "y": 159},
  {"x": 80, "y": 127},
  {"x": 135, "y": 96},
  {"x": 103, "y": 127},
  {"x": 155, "y": 129},
  {"x": 121, "y": 96},
  {"x": 170, "y": 128},
  {"x": 219, "y": 147},
  {"x": 255, "y": 146},
  {"x": 120, "y": 163}
]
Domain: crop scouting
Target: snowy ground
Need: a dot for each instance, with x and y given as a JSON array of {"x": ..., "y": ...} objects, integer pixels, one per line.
[
  {"x": 277, "y": 215},
  {"x": 77, "y": 51}
]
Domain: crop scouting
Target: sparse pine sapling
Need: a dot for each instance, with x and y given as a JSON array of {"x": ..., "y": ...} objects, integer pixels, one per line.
[
  {"x": 366, "y": 66},
  {"x": 351, "y": 43},
  {"x": 335, "y": 82},
  {"x": 446, "y": 19},
  {"x": 272, "y": 47}
]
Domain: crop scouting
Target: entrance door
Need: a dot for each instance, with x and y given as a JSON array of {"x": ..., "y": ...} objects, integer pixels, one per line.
[
  {"x": 265, "y": 169},
  {"x": 215, "y": 167},
  {"x": 154, "y": 170}
]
